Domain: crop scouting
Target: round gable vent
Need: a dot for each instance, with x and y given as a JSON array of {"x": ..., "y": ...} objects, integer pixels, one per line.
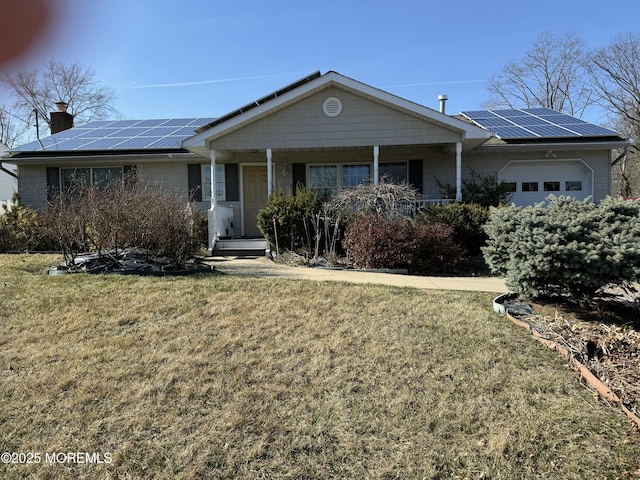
[{"x": 332, "y": 107}]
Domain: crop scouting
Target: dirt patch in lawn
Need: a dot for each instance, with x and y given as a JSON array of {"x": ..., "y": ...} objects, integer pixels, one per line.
[{"x": 606, "y": 339}]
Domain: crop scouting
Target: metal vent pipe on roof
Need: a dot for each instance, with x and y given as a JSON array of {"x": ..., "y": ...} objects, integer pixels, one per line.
[{"x": 442, "y": 99}]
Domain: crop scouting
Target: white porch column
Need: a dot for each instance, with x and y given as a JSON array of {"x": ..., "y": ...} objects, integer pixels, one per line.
[
  {"x": 376, "y": 154},
  {"x": 212, "y": 156},
  {"x": 269, "y": 172},
  {"x": 459, "y": 172},
  {"x": 211, "y": 217}
]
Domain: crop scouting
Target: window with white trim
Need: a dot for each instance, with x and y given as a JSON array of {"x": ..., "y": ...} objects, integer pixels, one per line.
[
  {"x": 219, "y": 183},
  {"x": 354, "y": 175},
  {"x": 327, "y": 179},
  {"x": 323, "y": 179}
]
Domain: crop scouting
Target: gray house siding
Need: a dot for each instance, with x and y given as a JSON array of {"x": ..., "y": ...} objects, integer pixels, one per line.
[
  {"x": 169, "y": 177},
  {"x": 362, "y": 122},
  {"x": 32, "y": 185}
]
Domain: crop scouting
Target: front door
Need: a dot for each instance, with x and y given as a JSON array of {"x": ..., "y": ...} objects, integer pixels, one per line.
[{"x": 254, "y": 185}]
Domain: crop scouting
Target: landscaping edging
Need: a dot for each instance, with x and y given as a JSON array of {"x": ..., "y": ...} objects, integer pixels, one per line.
[{"x": 585, "y": 374}]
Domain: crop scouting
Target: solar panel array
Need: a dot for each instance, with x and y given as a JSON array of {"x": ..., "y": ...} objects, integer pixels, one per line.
[
  {"x": 120, "y": 135},
  {"x": 531, "y": 123}
]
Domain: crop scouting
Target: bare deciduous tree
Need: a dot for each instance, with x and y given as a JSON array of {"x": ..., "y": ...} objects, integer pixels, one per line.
[
  {"x": 552, "y": 74},
  {"x": 12, "y": 127},
  {"x": 615, "y": 73},
  {"x": 37, "y": 90}
]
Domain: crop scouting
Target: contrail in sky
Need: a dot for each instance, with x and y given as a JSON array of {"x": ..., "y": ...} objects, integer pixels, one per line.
[
  {"x": 220, "y": 80},
  {"x": 425, "y": 84}
]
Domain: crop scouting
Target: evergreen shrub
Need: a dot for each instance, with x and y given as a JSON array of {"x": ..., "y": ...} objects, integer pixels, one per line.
[
  {"x": 290, "y": 217},
  {"x": 375, "y": 241},
  {"x": 21, "y": 229},
  {"x": 483, "y": 190},
  {"x": 568, "y": 248},
  {"x": 466, "y": 219}
]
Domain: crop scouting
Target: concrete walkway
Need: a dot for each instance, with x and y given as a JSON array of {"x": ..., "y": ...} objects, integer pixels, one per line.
[{"x": 262, "y": 267}]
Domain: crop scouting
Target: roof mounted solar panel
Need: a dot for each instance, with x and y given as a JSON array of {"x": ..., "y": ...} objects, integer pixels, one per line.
[
  {"x": 104, "y": 143},
  {"x": 536, "y": 123},
  {"x": 166, "y": 142},
  {"x": 525, "y": 121},
  {"x": 119, "y": 135},
  {"x": 550, "y": 131},
  {"x": 72, "y": 143},
  {"x": 124, "y": 123},
  {"x": 588, "y": 129},
  {"x": 177, "y": 122},
  {"x": 161, "y": 131},
  {"x": 479, "y": 114},
  {"x": 496, "y": 122},
  {"x": 514, "y": 132}
]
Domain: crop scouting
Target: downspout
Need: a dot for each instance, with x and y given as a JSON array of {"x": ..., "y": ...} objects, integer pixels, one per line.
[
  {"x": 376, "y": 154},
  {"x": 269, "y": 172},
  {"x": 459, "y": 172}
]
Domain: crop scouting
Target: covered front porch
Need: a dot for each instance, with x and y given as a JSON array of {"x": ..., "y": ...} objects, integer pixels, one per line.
[{"x": 242, "y": 180}]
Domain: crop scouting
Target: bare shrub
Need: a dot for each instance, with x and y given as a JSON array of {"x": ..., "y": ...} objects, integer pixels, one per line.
[
  {"x": 388, "y": 200},
  {"x": 128, "y": 215},
  {"x": 377, "y": 242}
]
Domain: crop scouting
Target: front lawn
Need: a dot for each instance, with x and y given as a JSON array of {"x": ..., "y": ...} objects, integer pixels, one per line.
[{"x": 212, "y": 376}]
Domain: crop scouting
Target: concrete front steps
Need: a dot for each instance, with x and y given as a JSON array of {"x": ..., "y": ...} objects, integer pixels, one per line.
[{"x": 241, "y": 247}]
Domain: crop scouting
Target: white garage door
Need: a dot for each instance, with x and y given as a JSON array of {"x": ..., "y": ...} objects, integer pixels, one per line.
[{"x": 534, "y": 181}]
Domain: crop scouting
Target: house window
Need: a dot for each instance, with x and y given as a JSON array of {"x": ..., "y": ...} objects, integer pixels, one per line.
[
  {"x": 219, "y": 184},
  {"x": 107, "y": 177},
  {"x": 574, "y": 186},
  {"x": 323, "y": 179},
  {"x": 393, "y": 172},
  {"x": 354, "y": 175},
  {"x": 510, "y": 186},
  {"x": 75, "y": 179},
  {"x": 72, "y": 180},
  {"x": 529, "y": 186},
  {"x": 551, "y": 186}
]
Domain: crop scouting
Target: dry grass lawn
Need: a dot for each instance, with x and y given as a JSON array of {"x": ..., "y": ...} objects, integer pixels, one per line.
[{"x": 220, "y": 377}]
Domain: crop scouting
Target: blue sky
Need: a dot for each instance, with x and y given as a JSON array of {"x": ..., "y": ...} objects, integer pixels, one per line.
[{"x": 197, "y": 58}]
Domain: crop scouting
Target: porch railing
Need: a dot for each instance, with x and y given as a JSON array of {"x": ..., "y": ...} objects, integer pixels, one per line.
[
  {"x": 433, "y": 201},
  {"x": 414, "y": 207}
]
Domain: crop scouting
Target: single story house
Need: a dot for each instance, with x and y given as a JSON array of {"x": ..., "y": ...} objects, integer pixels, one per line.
[
  {"x": 8, "y": 179},
  {"x": 326, "y": 132}
]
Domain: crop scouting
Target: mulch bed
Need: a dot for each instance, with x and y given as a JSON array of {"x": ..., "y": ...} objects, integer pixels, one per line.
[
  {"x": 130, "y": 262},
  {"x": 605, "y": 338}
]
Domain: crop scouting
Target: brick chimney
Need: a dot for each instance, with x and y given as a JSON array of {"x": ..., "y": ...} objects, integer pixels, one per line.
[{"x": 61, "y": 119}]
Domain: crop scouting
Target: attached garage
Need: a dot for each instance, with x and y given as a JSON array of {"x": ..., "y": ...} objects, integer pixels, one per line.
[{"x": 533, "y": 181}]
